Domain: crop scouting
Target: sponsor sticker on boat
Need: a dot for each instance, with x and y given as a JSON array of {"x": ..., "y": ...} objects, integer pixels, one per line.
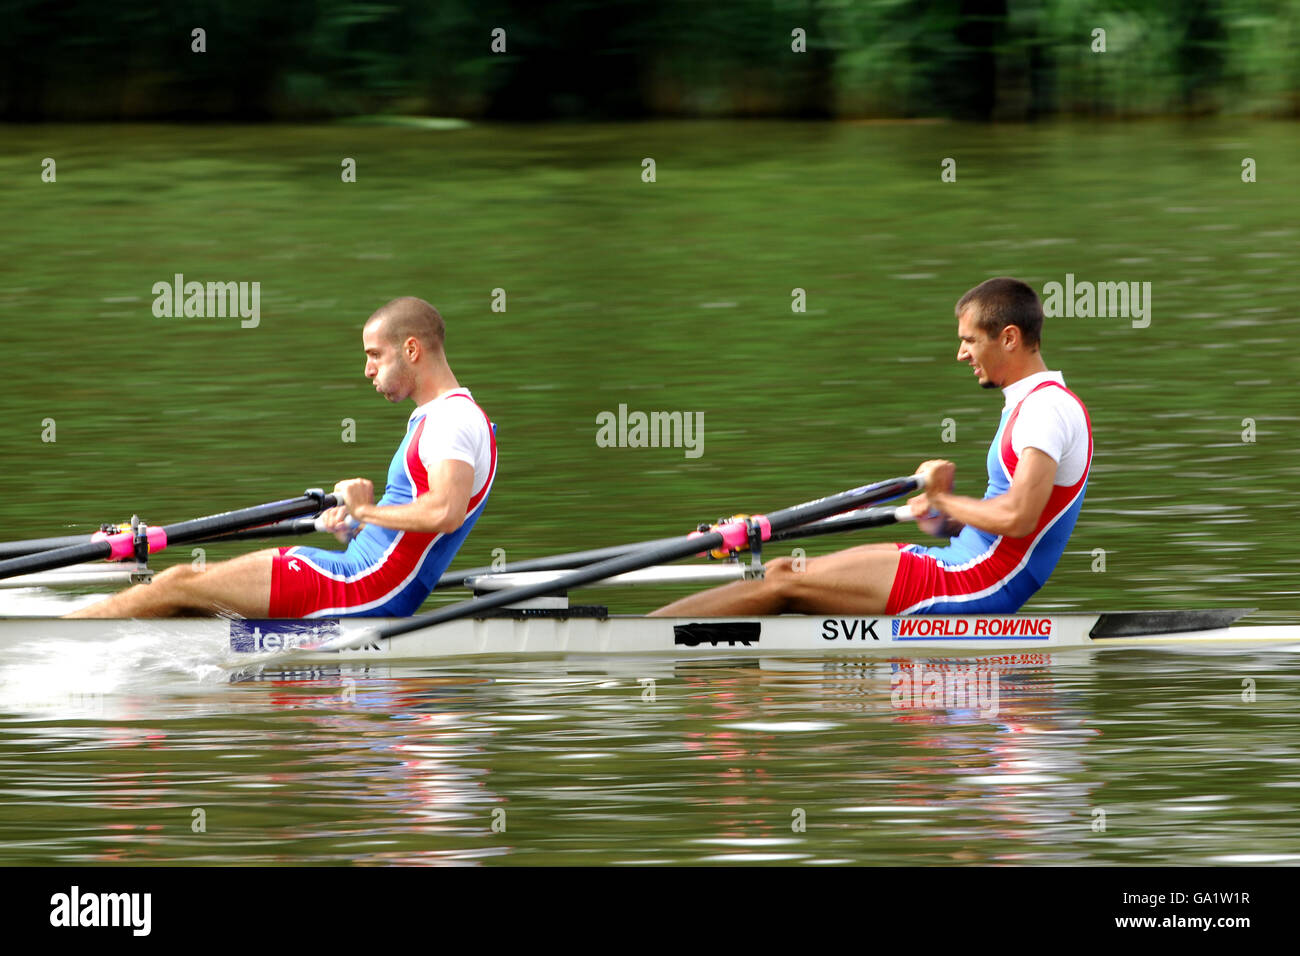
[
  {"x": 971, "y": 628},
  {"x": 255, "y": 637},
  {"x": 730, "y": 633}
]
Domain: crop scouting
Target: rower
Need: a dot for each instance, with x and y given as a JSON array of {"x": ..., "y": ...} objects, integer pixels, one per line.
[
  {"x": 1001, "y": 547},
  {"x": 438, "y": 484}
]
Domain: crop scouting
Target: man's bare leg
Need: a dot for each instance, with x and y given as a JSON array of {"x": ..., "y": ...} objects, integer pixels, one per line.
[
  {"x": 240, "y": 586},
  {"x": 855, "y": 581}
]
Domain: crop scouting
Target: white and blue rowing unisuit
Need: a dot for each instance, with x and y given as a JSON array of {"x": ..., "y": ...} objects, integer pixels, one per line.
[
  {"x": 983, "y": 573},
  {"x": 387, "y": 573}
]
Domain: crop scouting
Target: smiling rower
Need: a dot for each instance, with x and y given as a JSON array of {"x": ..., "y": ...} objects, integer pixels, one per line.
[
  {"x": 1002, "y": 547},
  {"x": 438, "y": 484}
]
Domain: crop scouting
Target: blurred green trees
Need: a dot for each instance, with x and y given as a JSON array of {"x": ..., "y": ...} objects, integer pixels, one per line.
[{"x": 977, "y": 59}]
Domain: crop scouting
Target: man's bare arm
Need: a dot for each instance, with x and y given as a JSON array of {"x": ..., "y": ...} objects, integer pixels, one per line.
[
  {"x": 1013, "y": 514},
  {"x": 440, "y": 510}
]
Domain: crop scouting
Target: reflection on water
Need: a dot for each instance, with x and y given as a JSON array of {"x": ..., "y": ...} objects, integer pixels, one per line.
[{"x": 1088, "y": 757}]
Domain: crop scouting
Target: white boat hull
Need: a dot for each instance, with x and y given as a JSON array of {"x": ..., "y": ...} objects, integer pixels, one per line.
[{"x": 251, "y": 641}]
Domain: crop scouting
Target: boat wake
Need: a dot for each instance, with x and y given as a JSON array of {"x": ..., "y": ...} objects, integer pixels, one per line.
[
  {"x": 42, "y": 602},
  {"x": 62, "y": 677}
]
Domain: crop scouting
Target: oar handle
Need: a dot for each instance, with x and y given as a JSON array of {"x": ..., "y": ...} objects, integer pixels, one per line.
[{"x": 349, "y": 524}]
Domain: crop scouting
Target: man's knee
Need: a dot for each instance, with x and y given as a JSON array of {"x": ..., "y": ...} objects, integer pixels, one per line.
[
  {"x": 187, "y": 579},
  {"x": 782, "y": 576},
  {"x": 777, "y": 567},
  {"x": 175, "y": 576}
]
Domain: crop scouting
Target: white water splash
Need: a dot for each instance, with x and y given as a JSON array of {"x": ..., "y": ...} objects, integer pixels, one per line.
[{"x": 65, "y": 677}]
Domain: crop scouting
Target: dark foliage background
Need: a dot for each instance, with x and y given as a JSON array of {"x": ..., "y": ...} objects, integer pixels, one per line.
[{"x": 594, "y": 59}]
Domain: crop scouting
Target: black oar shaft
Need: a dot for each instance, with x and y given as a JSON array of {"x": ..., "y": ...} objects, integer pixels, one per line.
[
  {"x": 837, "y": 524},
  {"x": 185, "y": 531},
  {"x": 181, "y": 532},
  {"x": 16, "y": 549},
  {"x": 280, "y": 529},
  {"x": 672, "y": 550},
  {"x": 553, "y": 562},
  {"x": 848, "y": 521}
]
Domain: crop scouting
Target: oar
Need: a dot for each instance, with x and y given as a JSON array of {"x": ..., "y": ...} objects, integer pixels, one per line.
[
  {"x": 558, "y": 562},
  {"x": 122, "y": 545},
  {"x": 280, "y": 529},
  {"x": 16, "y": 549},
  {"x": 553, "y": 562},
  {"x": 732, "y": 534},
  {"x": 848, "y": 521}
]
